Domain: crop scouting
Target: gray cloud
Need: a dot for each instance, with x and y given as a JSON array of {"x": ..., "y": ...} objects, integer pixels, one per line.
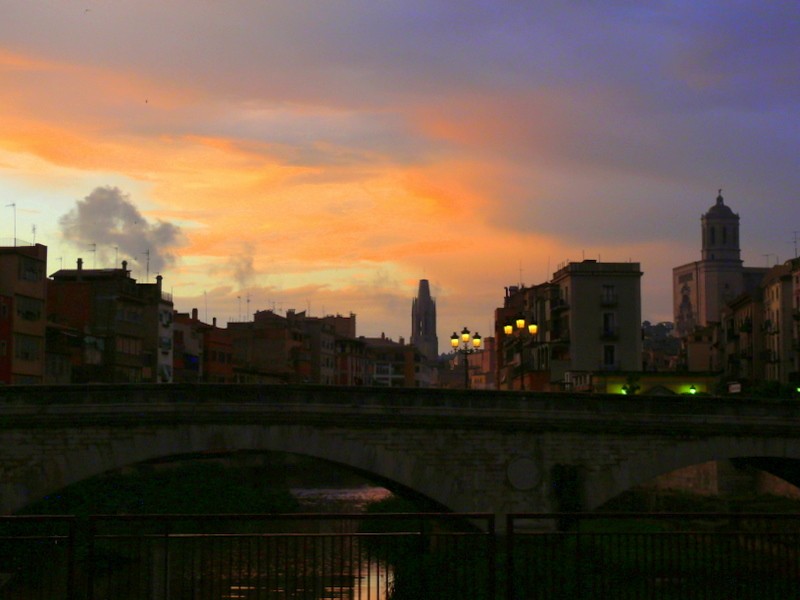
[
  {"x": 242, "y": 266},
  {"x": 108, "y": 219}
]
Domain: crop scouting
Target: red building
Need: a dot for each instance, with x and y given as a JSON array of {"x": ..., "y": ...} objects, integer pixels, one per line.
[{"x": 22, "y": 313}]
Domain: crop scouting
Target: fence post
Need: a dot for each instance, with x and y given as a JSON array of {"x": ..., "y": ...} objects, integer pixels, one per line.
[
  {"x": 91, "y": 527},
  {"x": 492, "y": 552},
  {"x": 71, "y": 593},
  {"x": 509, "y": 557},
  {"x": 160, "y": 574}
]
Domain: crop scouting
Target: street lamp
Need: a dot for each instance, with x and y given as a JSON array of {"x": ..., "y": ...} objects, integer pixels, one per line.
[
  {"x": 522, "y": 329},
  {"x": 469, "y": 343}
]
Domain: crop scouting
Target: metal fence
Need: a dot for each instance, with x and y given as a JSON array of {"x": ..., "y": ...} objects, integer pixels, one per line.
[
  {"x": 269, "y": 557},
  {"x": 400, "y": 557},
  {"x": 662, "y": 556}
]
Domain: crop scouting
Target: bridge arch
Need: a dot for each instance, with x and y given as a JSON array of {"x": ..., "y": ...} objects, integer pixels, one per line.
[
  {"x": 641, "y": 468},
  {"x": 54, "y": 471}
]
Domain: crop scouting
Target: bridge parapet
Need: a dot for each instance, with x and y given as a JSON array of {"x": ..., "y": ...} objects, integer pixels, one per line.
[{"x": 475, "y": 451}]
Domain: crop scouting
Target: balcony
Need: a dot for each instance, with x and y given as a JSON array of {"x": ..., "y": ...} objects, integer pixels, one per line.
[
  {"x": 607, "y": 300},
  {"x": 609, "y": 332},
  {"x": 611, "y": 366},
  {"x": 768, "y": 356},
  {"x": 558, "y": 305}
]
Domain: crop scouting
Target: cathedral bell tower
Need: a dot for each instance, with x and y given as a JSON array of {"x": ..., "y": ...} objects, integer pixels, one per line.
[{"x": 720, "y": 227}]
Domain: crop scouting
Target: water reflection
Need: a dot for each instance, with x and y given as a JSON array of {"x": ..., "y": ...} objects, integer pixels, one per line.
[
  {"x": 351, "y": 499},
  {"x": 315, "y": 558}
]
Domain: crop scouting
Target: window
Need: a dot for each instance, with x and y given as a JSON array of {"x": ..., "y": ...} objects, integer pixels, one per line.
[
  {"x": 609, "y": 294},
  {"x": 128, "y": 345},
  {"x": 609, "y": 355},
  {"x": 27, "y": 347},
  {"x": 29, "y": 309},
  {"x": 31, "y": 269},
  {"x": 609, "y": 323}
]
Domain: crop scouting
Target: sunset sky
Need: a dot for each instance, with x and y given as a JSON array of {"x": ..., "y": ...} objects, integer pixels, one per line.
[{"x": 326, "y": 155}]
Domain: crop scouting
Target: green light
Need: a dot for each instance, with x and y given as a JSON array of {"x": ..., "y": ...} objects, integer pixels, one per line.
[{"x": 692, "y": 389}]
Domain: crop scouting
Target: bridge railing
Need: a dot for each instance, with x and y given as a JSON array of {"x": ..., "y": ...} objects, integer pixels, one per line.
[
  {"x": 401, "y": 556},
  {"x": 37, "y": 558},
  {"x": 660, "y": 555},
  {"x": 306, "y": 556}
]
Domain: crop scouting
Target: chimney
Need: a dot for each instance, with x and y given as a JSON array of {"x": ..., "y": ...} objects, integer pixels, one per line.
[
  {"x": 125, "y": 267},
  {"x": 158, "y": 282},
  {"x": 194, "y": 314},
  {"x": 80, "y": 264},
  {"x": 214, "y": 321}
]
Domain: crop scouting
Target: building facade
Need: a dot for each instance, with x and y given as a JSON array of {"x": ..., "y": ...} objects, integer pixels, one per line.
[
  {"x": 23, "y": 315},
  {"x": 588, "y": 320},
  {"x": 122, "y": 324}
]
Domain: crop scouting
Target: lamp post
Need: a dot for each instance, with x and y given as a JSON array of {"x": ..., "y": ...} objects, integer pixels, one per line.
[
  {"x": 523, "y": 329},
  {"x": 468, "y": 344}
]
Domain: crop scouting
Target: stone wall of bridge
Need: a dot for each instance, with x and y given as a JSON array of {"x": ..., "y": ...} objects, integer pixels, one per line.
[{"x": 503, "y": 454}]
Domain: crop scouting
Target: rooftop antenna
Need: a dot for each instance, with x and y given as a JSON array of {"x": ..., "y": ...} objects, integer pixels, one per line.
[
  {"x": 795, "y": 239},
  {"x": 13, "y": 206},
  {"x": 93, "y": 250},
  {"x": 248, "y": 303},
  {"x": 33, "y": 230},
  {"x": 520, "y": 275},
  {"x": 205, "y": 301},
  {"x": 116, "y": 256},
  {"x": 239, "y": 298},
  {"x": 766, "y": 257}
]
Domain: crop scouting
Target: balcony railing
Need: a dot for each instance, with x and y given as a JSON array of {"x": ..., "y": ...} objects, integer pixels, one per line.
[
  {"x": 609, "y": 366},
  {"x": 609, "y": 332},
  {"x": 609, "y": 299}
]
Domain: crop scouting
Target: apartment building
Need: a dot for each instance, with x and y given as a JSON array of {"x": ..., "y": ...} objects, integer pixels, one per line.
[
  {"x": 778, "y": 323},
  {"x": 124, "y": 330},
  {"x": 270, "y": 349},
  {"x": 23, "y": 296},
  {"x": 203, "y": 352},
  {"x": 587, "y": 320}
]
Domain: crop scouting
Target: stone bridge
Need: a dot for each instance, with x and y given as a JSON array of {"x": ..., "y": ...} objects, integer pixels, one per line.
[{"x": 475, "y": 451}]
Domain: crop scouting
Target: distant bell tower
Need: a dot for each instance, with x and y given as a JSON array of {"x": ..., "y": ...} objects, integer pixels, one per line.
[
  {"x": 701, "y": 289},
  {"x": 720, "y": 227},
  {"x": 423, "y": 322}
]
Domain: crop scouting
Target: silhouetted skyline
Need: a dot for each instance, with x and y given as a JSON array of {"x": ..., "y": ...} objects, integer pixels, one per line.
[{"x": 327, "y": 156}]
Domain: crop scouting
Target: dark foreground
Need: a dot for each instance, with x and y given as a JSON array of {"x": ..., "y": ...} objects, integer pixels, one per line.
[{"x": 400, "y": 557}]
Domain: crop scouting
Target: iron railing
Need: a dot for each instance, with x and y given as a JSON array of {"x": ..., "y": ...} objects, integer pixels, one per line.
[
  {"x": 663, "y": 556},
  {"x": 249, "y": 557},
  {"x": 401, "y": 557},
  {"x": 37, "y": 558}
]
